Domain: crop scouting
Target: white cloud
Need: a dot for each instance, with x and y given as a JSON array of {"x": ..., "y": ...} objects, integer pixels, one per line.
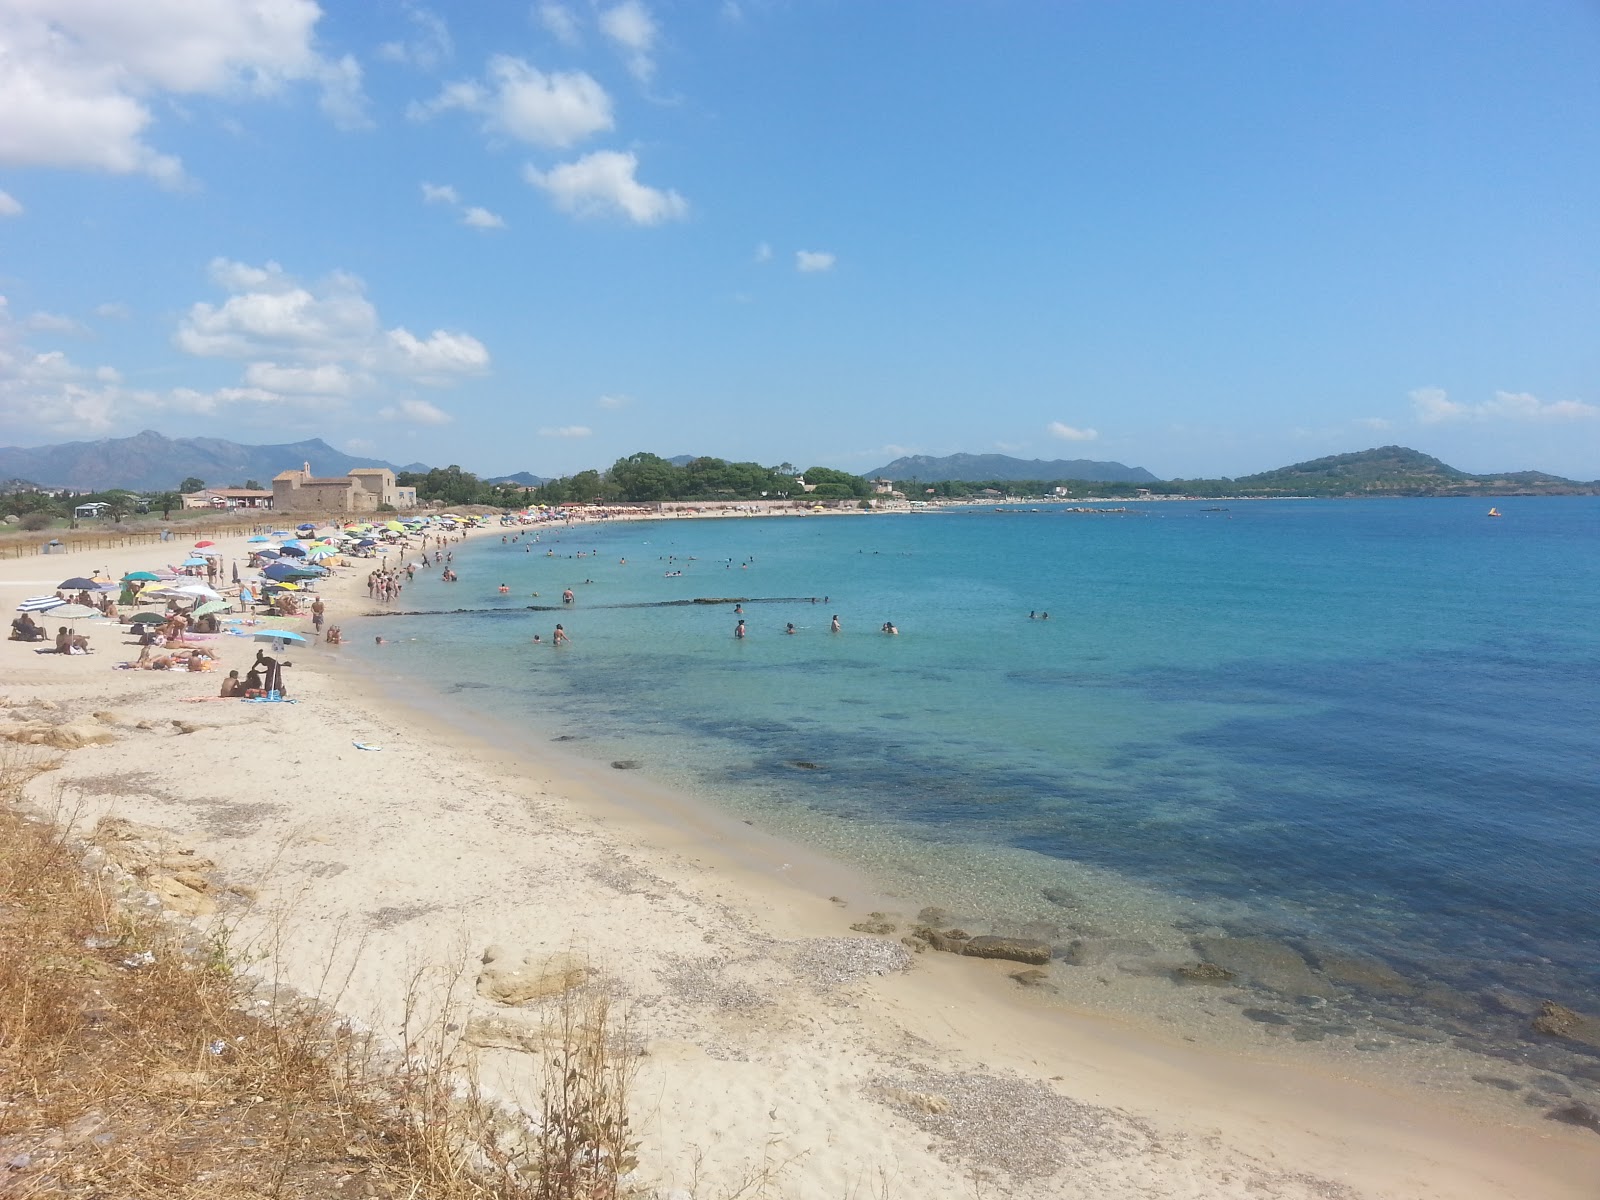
[
  {"x": 327, "y": 379},
  {"x": 482, "y": 218},
  {"x": 520, "y": 101},
  {"x": 343, "y": 102},
  {"x": 80, "y": 80},
  {"x": 634, "y": 30},
  {"x": 613, "y": 402},
  {"x": 1068, "y": 433},
  {"x": 418, "y": 412},
  {"x": 441, "y": 354},
  {"x": 763, "y": 253},
  {"x": 811, "y": 261},
  {"x": 10, "y": 206},
  {"x": 566, "y": 431},
  {"x": 440, "y": 193},
  {"x": 1433, "y": 406},
  {"x": 429, "y": 46},
  {"x": 113, "y": 310},
  {"x": 560, "y": 23},
  {"x": 48, "y": 322},
  {"x": 603, "y": 183}
]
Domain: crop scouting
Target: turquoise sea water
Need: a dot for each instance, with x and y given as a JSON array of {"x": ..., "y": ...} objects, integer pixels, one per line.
[{"x": 1362, "y": 732}]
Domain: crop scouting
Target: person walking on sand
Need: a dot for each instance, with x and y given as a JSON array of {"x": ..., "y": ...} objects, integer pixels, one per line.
[{"x": 318, "y": 611}]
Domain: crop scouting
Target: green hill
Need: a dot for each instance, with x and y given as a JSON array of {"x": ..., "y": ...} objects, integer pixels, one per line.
[{"x": 1399, "y": 471}]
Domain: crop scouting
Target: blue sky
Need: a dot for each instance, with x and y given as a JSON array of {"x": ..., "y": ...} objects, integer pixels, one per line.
[{"x": 1200, "y": 238}]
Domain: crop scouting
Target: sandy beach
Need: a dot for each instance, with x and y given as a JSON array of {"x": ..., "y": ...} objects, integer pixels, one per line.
[{"x": 779, "y": 1048}]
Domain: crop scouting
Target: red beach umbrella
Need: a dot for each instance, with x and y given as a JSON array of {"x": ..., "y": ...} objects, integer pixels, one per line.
[{"x": 205, "y": 543}]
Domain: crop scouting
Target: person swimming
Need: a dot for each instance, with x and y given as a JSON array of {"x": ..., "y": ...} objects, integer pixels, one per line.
[
  {"x": 888, "y": 627},
  {"x": 791, "y": 628}
]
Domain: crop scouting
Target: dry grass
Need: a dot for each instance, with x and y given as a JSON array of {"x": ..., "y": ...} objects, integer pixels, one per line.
[{"x": 135, "y": 1062}]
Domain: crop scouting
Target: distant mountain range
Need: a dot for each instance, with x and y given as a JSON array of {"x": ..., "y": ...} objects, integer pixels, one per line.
[
  {"x": 521, "y": 479},
  {"x": 149, "y": 462},
  {"x": 974, "y": 468}
]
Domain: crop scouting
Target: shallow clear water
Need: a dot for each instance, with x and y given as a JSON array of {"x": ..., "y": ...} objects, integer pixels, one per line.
[{"x": 1359, "y": 728}]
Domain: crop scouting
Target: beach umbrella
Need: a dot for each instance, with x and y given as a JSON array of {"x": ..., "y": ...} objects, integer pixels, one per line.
[
  {"x": 199, "y": 544},
  {"x": 320, "y": 553},
  {"x": 195, "y": 589},
  {"x": 282, "y": 585},
  {"x": 212, "y": 553},
  {"x": 141, "y": 576},
  {"x": 74, "y": 612},
  {"x": 307, "y": 526},
  {"x": 211, "y": 606},
  {"x": 278, "y": 635},
  {"x": 259, "y": 538},
  {"x": 77, "y": 584},
  {"x": 147, "y": 619},
  {"x": 295, "y": 551},
  {"x": 194, "y": 562},
  {"x": 281, "y": 533},
  {"x": 40, "y": 604},
  {"x": 268, "y": 554}
]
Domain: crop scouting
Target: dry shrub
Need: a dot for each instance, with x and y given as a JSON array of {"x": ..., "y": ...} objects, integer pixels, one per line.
[{"x": 138, "y": 1063}]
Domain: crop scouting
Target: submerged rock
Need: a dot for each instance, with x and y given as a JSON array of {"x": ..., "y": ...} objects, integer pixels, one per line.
[
  {"x": 627, "y": 764},
  {"x": 1017, "y": 949},
  {"x": 1265, "y": 962},
  {"x": 1585, "y": 1115},
  {"x": 1204, "y": 972},
  {"x": 1035, "y": 977},
  {"x": 875, "y": 923},
  {"x": 1060, "y": 897},
  {"x": 1367, "y": 974},
  {"x": 1557, "y": 1020}
]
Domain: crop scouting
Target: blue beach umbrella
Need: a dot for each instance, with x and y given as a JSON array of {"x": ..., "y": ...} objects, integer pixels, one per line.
[
  {"x": 292, "y": 549},
  {"x": 40, "y": 604},
  {"x": 307, "y": 526},
  {"x": 259, "y": 538},
  {"x": 194, "y": 562}
]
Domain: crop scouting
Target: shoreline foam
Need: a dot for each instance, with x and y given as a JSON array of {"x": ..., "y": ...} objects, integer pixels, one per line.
[{"x": 432, "y": 849}]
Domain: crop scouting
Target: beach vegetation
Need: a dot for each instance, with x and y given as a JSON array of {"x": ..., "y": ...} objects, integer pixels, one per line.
[
  {"x": 143, "y": 1057},
  {"x": 192, "y": 484}
]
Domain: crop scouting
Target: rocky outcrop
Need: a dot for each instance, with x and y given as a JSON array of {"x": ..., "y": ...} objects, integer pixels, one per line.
[
  {"x": 509, "y": 979},
  {"x": 877, "y": 923},
  {"x": 1557, "y": 1020},
  {"x": 1585, "y": 1115},
  {"x": 1015, "y": 949}
]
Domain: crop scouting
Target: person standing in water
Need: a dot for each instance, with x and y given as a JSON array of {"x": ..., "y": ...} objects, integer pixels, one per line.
[
  {"x": 835, "y": 626},
  {"x": 738, "y": 630},
  {"x": 560, "y": 638}
]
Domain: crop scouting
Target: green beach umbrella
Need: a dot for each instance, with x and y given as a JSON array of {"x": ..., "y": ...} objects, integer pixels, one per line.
[
  {"x": 141, "y": 575},
  {"x": 211, "y": 606},
  {"x": 148, "y": 619}
]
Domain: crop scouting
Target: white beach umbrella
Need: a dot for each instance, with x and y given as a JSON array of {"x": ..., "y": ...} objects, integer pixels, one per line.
[{"x": 40, "y": 604}]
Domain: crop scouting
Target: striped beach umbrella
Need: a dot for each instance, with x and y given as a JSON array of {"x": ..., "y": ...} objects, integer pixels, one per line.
[{"x": 40, "y": 604}]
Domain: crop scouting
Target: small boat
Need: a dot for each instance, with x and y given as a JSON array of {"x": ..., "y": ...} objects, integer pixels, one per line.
[{"x": 1494, "y": 512}]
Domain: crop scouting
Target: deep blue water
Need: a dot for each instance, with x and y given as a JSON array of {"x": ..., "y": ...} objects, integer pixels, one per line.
[{"x": 1366, "y": 725}]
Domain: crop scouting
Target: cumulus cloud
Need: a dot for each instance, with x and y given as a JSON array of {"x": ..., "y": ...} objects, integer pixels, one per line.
[
  {"x": 520, "y": 101},
  {"x": 482, "y": 218},
  {"x": 633, "y": 30},
  {"x": 1069, "y": 433},
  {"x": 49, "y": 393},
  {"x": 438, "y": 355},
  {"x": 808, "y": 262},
  {"x": 440, "y": 193},
  {"x": 560, "y": 23},
  {"x": 613, "y": 402},
  {"x": 80, "y": 79},
  {"x": 602, "y": 184},
  {"x": 566, "y": 431},
  {"x": 315, "y": 342},
  {"x": 429, "y": 45},
  {"x": 418, "y": 412},
  {"x": 1433, "y": 406},
  {"x": 10, "y": 206},
  {"x": 328, "y": 379}
]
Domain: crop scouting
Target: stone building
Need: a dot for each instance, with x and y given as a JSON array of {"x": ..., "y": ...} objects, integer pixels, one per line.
[{"x": 363, "y": 490}]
